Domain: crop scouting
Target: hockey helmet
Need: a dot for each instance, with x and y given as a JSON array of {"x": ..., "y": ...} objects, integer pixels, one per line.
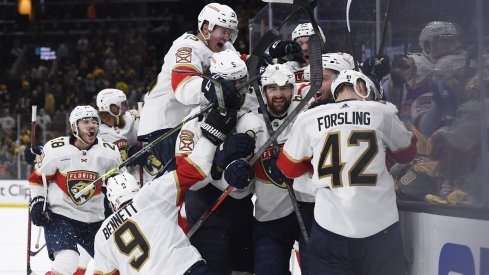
[
  {"x": 219, "y": 15},
  {"x": 338, "y": 61},
  {"x": 434, "y": 29},
  {"x": 353, "y": 78},
  {"x": 121, "y": 188},
  {"x": 279, "y": 74},
  {"x": 81, "y": 112},
  {"x": 107, "y": 97},
  {"x": 228, "y": 64},
  {"x": 305, "y": 29}
]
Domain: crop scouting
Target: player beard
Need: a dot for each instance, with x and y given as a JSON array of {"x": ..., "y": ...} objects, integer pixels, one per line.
[{"x": 278, "y": 105}]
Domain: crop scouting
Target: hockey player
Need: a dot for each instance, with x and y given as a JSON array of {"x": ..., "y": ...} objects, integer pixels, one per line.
[
  {"x": 140, "y": 217},
  {"x": 275, "y": 228},
  {"x": 70, "y": 163},
  {"x": 411, "y": 75},
  {"x": 119, "y": 126},
  {"x": 333, "y": 63},
  {"x": 176, "y": 93},
  {"x": 295, "y": 53},
  {"x": 142, "y": 236},
  {"x": 225, "y": 239},
  {"x": 346, "y": 143}
]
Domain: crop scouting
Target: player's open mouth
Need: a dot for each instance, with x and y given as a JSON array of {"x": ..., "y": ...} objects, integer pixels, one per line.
[
  {"x": 91, "y": 133},
  {"x": 317, "y": 95},
  {"x": 220, "y": 45}
]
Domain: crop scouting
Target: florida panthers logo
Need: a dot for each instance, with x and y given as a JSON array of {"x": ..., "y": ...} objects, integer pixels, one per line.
[
  {"x": 153, "y": 165},
  {"x": 263, "y": 172},
  {"x": 76, "y": 181}
]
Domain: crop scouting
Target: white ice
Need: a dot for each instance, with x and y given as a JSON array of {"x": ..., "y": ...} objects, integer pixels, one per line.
[{"x": 13, "y": 245}]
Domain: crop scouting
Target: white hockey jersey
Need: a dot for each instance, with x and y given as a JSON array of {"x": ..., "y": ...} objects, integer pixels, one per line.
[
  {"x": 346, "y": 142},
  {"x": 143, "y": 237},
  {"x": 68, "y": 170},
  {"x": 125, "y": 137},
  {"x": 175, "y": 94},
  {"x": 272, "y": 198},
  {"x": 191, "y": 134}
]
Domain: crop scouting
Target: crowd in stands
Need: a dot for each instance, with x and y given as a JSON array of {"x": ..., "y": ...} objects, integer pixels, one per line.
[{"x": 126, "y": 55}]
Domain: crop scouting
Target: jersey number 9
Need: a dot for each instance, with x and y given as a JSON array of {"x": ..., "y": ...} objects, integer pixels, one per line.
[{"x": 127, "y": 238}]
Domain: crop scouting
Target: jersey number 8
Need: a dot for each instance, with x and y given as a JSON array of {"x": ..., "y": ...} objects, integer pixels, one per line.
[{"x": 127, "y": 238}]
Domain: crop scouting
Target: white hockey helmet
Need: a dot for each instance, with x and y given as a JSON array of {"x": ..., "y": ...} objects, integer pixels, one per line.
[
  {"x": 305, "y": 29},
  {"x": 107, "y": 97},
  {"x": 353, "y": 78},
  {"x": 120, "y": 189},
  {"x": 81, "y": 112},
  {"x": 279, "y": 74},
  {"x": 219, "y": 15},
  {"x": 228, "y": 64},
  {"x": 434, "y": 29},
  {"x": 338, "y": 61}
]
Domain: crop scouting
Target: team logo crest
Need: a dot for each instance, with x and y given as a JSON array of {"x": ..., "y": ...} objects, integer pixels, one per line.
[
  {"x": 184, "y": 55},
  {"x": 265, "y": 162},
  {"x": 186, "y": 141},
  {"x": 153, "y": 166},
  {"x": 76, "y": 181}
]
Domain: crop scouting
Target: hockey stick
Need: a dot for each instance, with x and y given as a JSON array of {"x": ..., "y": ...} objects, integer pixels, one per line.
[
  {"x": 350, "y": 36},
  {"x": 380, "y": 50},
  {"x": 252, "y": 71},
  {"x": 308, "y": 9},
  {"x": 34, "y": 253},
  {"x": 140, "y": 143},
  {"x": 29, "y": 226},
  {"x": 267, "y": 39},
  {"x": 140, "y": 152},
  {"x": 316, "y": 81},
  {"x": 45, "y": 187},
  {"x": 240, "y": 89}
]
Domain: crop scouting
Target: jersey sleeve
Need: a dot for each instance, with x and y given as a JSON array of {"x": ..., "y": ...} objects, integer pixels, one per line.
[
  {"x": 401, "y": 143},
  {"x": 295, "y": 158},
  {"x": 188, "y": 56},
  {"x": 194, "y": 155},
  {"x": 48, "y": 166}
]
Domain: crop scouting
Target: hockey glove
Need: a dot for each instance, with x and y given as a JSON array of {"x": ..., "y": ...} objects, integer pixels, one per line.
[
  {"x": 216, "y": 126},
  {"x": 287, "y": 51},
  {"x": 275, "y": 172},
  {"x": 31, "y": 153},
  {"x": 231, "y": 96},
  {"x": 38, "y": 216},
  {"x": 141, "y": 160},
  {"x": 239, "y": 174},
  {"x": 234, "y": 147},
  {"x": 378, "y": 67}
]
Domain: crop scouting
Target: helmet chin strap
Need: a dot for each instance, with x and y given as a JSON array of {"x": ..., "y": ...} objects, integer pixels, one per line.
[
  {"x": 116, "y": 116},
  {"x": 77, "y": 135}
]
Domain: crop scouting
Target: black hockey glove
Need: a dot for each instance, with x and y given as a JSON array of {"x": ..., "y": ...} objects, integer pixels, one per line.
[
  {"x": 39, "y": 217},
  {"x": 231, "y": 96},
  {"x": 30, "y": 153},
  {"x": 234, "y": 147},
  {"x": 239, "y": 174},
  {"x": 216, "y": 126},
  {"x": 141, "y": 160},
  {"x": 378, "y": 67},
  {"x": 275, "y": 172},
  {"x": 287, "y": 51}
]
